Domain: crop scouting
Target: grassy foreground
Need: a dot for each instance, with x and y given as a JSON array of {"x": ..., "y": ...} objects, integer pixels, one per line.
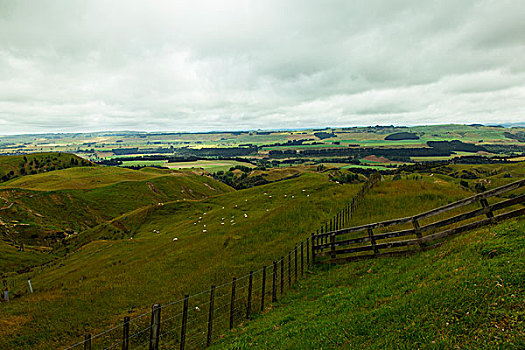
[
  {"x": 132, "y": 260},
  {"x": 115, "y": 275},
  {"x": 466, "y": 294}
]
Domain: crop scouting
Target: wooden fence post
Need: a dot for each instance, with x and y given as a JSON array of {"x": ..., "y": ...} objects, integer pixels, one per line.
[
  {"x": 263, "y": 288},
  {"x": 289, "y": 269},
  {"x": 302, "y": 260},
  {"x": 125, "y": 334},
  {"x": 210, "y": 315},
  {"x": 184, "y": 321},
  {"x": 282, "y": 276},
  {"x": 415, "y": 223},
  {"x": 5, "y": 291},
  {"x": 250, "y": 287},
  {"x": 486, "y": 206},
  {"x": 274, "y": 282},
  {"x": 232, "y": 302},
  {"x": 313, "y": 250},
  {"x": 155, "y": 327},
  {"x": 332, "y": 246},
  {"x": 295, "y": 262},
  {"x": 308, "y": 253},
  {"x": 372, "y": 240},
  {"x": 87, "y": 342}
]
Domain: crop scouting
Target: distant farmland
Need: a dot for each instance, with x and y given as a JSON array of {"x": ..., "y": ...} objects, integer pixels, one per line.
[{"x": 209, "y": 165}]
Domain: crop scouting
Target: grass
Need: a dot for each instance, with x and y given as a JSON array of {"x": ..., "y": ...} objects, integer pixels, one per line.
[
  {"x": 77, "y": 178},
  {"x": 106, "y": 272},
  {"x": 17, "y": 166},
  {"x": 209, "y": 165},
  {"x": 143, "y": 163},
  {"x": 468, "y": 293},
  {"x": 375, "y": 167},
  {"x": 98, "y": 195},
  {"x": 15, "y": 260},
  {"x": 129, "y": 261}
]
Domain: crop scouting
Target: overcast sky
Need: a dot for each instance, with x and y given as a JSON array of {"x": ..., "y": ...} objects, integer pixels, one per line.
[{"x": 215, "y": 65}]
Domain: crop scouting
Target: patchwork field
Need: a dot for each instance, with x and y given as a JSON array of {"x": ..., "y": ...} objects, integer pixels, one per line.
[{"x": 112, "y": 241}]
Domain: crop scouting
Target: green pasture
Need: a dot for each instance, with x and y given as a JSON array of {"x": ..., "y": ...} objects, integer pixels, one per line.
[
  {"x": 209, "y": 165},
  {"x": 127, "y": 163},
  {"x": 109, "y": 269},
  {"x": 466, "y": 294}
]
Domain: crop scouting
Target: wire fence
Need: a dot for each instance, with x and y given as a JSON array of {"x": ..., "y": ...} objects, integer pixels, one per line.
[{"x": 198, "y": 320}]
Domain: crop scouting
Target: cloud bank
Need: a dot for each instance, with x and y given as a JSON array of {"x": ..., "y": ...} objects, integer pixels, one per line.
[{"x": 215, "y": 65}]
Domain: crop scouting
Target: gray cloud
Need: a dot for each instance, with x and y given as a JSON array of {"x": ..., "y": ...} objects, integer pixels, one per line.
[{"x": 202, "y": 65}]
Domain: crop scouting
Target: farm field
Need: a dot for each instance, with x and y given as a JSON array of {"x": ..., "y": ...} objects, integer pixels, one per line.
[
  {"x": 74, "y": 282},
  {"x": 143, "y": 163},
  {"x": 154, "y": 228},
  {"x": 468, "y": 293},
  {"x": 134, "y": 148},
  {"x": 209, "y": 165},
  {"x": 364, "y": 166}
]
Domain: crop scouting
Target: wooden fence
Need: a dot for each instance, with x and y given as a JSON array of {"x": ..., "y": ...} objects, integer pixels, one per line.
[{"x": 342, "y": 245}]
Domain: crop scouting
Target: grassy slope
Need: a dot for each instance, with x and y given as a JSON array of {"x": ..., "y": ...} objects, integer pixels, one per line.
[
  {"x": 37, "y": 214},
  {"x": 468, "y": 293},
  {"x": 13, "y": 259},
  {"x": 116, "y": 276},
  {"x": 11, "y": 166},
  {"x": 78, "y": 178},
  {"x": 108, "y": 272}
]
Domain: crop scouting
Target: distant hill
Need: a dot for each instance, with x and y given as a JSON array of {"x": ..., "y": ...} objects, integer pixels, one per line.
[
  {"x": 519, "y": 136},
  {"x": 402, "y": 136},
  {"x": 43, "y": 209},
  {"x": 35, "y": 163}
]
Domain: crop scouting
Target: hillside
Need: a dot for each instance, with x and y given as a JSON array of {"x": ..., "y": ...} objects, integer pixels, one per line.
[
  {"x": 466, "y": 294},
  {"x": 147, "y": 250},
  {"x": 12, "y": 167},
  {"x": 37, "y": 216},
  {"x": 109, "y": 271}
]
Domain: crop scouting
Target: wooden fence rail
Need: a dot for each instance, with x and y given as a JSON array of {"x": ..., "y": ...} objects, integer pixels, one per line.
[{"x": 355, "y": 245}]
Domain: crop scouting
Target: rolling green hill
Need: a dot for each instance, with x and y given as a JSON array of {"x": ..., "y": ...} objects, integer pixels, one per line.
[
  {"x": 130, "y": 274},
  {"x": 137, "y": 250},
  {"x": 33, "y": 214},
  {"x": 466, "y": 294},
  {"x": 15, "y": 166},
  {"x": 78, "y": 178},
  {"x": 159, "y": 234}
]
